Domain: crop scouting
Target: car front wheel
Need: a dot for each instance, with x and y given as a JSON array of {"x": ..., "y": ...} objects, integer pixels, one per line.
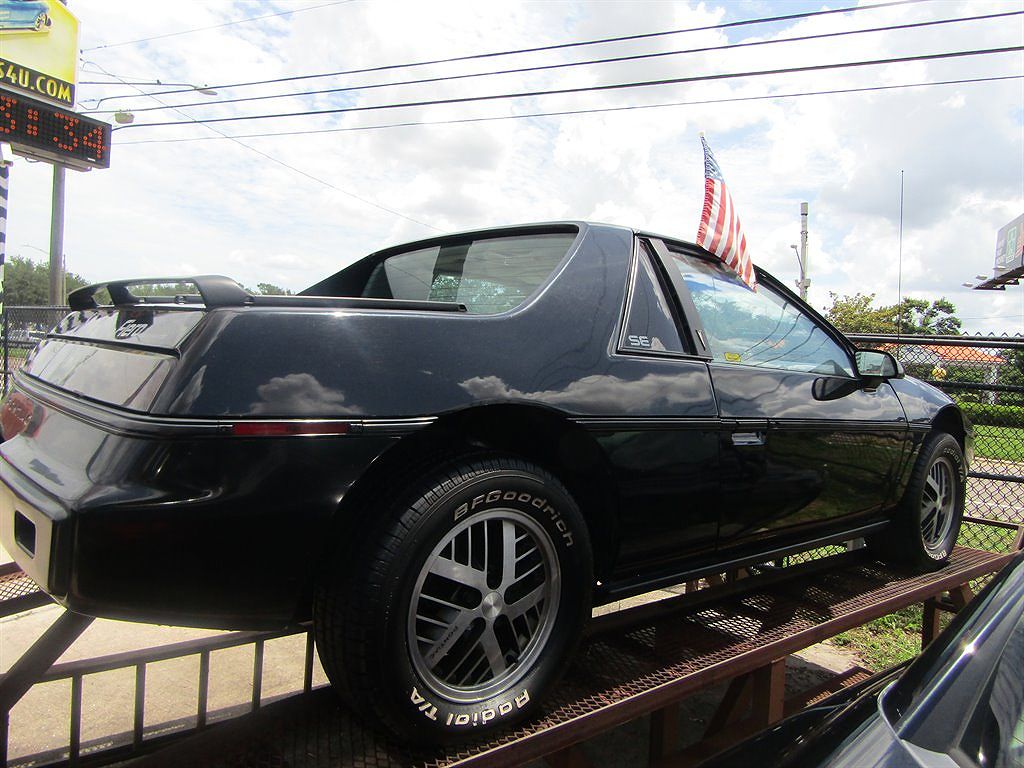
[
  {"x": 927, "y": 523},
  {"x": 459, "y": 612}
]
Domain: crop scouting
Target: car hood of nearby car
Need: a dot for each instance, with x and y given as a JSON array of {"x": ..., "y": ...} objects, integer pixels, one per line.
[
  {"x": 890, "y": 720},
  {"x": 808, "y": 738}
]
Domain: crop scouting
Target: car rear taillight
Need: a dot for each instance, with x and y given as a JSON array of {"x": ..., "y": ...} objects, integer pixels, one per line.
[{"x": 289, "y": 428}]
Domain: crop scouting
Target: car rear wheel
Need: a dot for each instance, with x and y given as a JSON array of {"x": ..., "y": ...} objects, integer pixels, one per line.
[
  {"x": 460, "y": 610},
  {"x": 927, "y": 523}
]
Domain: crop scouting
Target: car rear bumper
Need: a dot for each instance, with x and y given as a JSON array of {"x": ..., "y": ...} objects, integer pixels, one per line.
[
  {"x": 31, "y": 529},
  {"x": 222, "y": 531}
]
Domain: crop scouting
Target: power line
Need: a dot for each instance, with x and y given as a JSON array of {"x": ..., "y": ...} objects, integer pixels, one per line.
[
  {"x": 300, "y": 171},
  {"x": 216, "y": 26},
  {"x": 578, "y": 111},
  {"x": 594, "y": 88},
  {"x": 562, "y": 65},
  {"x": 562, "y": 46}
]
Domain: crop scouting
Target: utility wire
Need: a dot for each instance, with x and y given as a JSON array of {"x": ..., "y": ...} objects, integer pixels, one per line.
[
  {"x": 561, "y": 46},
  {"x": 216, "y": 26},
  {"x": 594, "y": 88},
  {"x": 575, "y": 111},
  {"x": 300, "y": 171},
  {"x": 543, "y": 67}
]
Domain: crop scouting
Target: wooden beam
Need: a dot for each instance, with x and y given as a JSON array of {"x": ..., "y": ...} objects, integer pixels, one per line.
[
  {"x": 570, "y": 757},
  {"x": 769, "y": 695},
  {"x": 930, "y": 622},
  {"x": 734, "y": 703},
  {"x": 664, "y": 736}
]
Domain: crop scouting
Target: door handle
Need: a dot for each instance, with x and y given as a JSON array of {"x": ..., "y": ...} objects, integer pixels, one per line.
[{"x": 746, "y": 439}]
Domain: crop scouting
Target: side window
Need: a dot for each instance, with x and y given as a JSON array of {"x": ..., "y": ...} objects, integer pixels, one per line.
[
  {"x": 650, "y": 325},
  {"x": 761, "y": 328},
  {"x": 488, "y": 275}
]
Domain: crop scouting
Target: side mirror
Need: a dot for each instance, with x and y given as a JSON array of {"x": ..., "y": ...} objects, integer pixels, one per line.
[
  {"x": 873, "y": 364},
  {"x": 834, "y": 387}
]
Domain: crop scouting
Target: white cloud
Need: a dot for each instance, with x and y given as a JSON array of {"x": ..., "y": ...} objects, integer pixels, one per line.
[{"x": 217, "y": 206}]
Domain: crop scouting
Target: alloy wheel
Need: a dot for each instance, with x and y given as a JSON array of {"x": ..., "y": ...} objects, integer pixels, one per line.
[
  {"x": 938, "y": 501},
  {"x": 483, "y": 605}
]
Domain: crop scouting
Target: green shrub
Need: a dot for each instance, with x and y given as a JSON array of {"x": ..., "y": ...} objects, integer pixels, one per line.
[{"x": 994, "y": 415}]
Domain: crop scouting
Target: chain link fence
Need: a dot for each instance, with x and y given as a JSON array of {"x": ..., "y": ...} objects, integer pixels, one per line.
[
  {"x": 24, "y": 327},
  {"x": 985, "y": 376}
]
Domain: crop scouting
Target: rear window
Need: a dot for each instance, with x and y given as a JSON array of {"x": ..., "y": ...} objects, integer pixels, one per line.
[{"x": 489, "y": 276}]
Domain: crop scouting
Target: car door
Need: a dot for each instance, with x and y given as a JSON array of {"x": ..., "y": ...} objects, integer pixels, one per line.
[
  {"x": 790, "y": 463},
  {"x": 666, "y": 464}
]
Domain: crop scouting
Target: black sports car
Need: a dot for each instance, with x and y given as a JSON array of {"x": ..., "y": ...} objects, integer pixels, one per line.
[{"x": 449, "y": 451}]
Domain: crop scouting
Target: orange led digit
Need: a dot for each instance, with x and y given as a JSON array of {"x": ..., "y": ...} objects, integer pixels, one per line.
[{"x": 55, "y": 135}]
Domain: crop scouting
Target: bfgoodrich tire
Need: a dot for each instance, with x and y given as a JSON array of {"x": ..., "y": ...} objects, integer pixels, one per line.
[
  {"x": 461, "y": 608},
  {"x": 927, "y": 523}
]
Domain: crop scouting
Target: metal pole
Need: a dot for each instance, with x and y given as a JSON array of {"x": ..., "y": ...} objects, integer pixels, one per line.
[
  {"x": 899, "y": 273},
  {"x": 805, "y": 281},
  {"x": 57, "y": 238},
  {"x": 4, "y": 186}
]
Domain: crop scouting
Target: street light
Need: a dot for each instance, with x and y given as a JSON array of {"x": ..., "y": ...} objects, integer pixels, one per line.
[
  {"x": 804, "y": 282},
  {"x": 801, "y": 254},
  {"x": 206, "y": 91}
]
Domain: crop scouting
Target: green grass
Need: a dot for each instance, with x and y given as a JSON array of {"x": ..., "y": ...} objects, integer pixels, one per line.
[
  {"x": 987, "y": 537},
  {"x": 892, "y": 639},
  {"x": 1003, "y": 443},
  {"x": 886, "y": 641}
]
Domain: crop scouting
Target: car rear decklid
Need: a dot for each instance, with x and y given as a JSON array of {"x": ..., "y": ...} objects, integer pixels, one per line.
[{"x": 119, "y": 352}]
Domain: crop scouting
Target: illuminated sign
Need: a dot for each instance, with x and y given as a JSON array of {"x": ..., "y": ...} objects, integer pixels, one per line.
[
  {"x": 1010, "y": 246},
  {"x": 39, "y": 49},
  {"x": 61, "y": 136}
]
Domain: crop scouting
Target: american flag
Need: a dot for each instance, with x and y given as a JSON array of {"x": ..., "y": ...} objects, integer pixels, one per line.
[{"x": 720, "y": 231}]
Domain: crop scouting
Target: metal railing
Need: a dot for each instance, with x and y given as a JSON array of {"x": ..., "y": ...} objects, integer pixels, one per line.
[
  {"x": 76, "y": 671},
  {"x": 36, "y": 667}
]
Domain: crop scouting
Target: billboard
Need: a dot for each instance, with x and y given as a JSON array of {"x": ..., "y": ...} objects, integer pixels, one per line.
[
  {"x": 39, "y": 49},
  {"x": 1010, "y": 246}
]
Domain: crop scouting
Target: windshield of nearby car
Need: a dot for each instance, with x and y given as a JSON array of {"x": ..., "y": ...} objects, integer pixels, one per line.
[
  {"x": 761, "y": 328},
  {"x": 489, "y": 275},
  {"x": 994, "y": 735}
]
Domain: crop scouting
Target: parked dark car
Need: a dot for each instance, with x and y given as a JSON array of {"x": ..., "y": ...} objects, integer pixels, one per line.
[
  {"x": 449, "y": 451},
  {"x": 960, "y": 703}
]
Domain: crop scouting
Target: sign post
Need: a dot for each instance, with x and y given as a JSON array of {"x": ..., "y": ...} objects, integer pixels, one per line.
[{"x": 6, "y": 158}]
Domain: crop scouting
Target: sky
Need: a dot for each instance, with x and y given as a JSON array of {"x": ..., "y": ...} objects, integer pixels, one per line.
[{"x": 288, "y": 210}]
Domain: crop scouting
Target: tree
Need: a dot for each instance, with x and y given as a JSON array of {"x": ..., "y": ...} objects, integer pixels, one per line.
[
  {"x": 857, "y": 314},
  {"x": 919, "y": 317},
  {"x": 269, "y": 289},
  {"x": 27, "y": 282}
]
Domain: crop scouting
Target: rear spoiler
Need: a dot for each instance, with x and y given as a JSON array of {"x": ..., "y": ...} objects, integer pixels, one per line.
[
  {"x": 219, "y": 291},
  {"x": 214, "y": 291}
]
